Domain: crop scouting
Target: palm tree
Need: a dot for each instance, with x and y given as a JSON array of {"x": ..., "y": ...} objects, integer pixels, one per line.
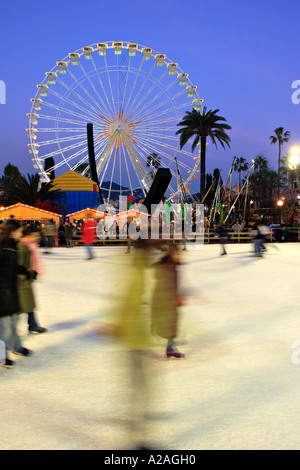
[
  {"x": 240, "y": 165},
  {"x": 257, "y": 177},
  {"x": 200, "y": 125},
  {"x": 11, "y": 174},
  {"x": 272, "y": 180},
  {"x": 154, "y": 162},
  {"x": 29, "y": 191},
  {"x": 280, "y": 137}
]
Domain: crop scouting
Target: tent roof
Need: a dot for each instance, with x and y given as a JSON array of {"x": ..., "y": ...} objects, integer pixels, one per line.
[
  {"x": 82, "y": 211},
  {"x": 85, "y": 213},
  {"x": 24, "y": 212},
  {"x": 73, "y": 181}
]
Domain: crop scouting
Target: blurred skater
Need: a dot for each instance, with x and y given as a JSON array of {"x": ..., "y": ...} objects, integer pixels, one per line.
[
  {"x": 69, "y": 229},
  {"x": 11, "y": 233},
  {"x": 258, "y": 238},
  {"x": 130, "y": 326},
  {"x": 166, "y": 300},
  {"x": 49, "y": 233},
  {"x": 135, "y": 334},
  {"x": 224, "y": 236},
  {"x": 29, "y": 258},
  {"x": 88, "y": 236}
]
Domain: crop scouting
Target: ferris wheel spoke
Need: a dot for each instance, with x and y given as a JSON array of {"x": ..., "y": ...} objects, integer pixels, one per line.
[
  {"x": 65, "y": 99},
  {"x": 148, "y": 113},
  {"x": 106, "y": 155},
  {"x": 153, "y": 142},
  {"x": 102, "y": 109},
  {"x": 60, "y": 109},
  {"x": 61, "y": 139},
  {"x": 65, "y": 149},
  {"x": 66, "y": 160},
  {"x": 61, "y": 129},
  {"x": 161, "y": 134},
  {"x": 133, "y": 86},
  {"x": 151, "y": 145},
  {"x": 145, "y": 151},
  {"x": 73, "y": 92},
  {"x": 148, "y": 118},
  {"x": 104, "y": 171},
  {"x": 144, "y": 123},
  {"x": 79, "y": 163},
  {"x": 104, "y": 92},
  {"x": 139, "y": 167},
  {"x": 110, "y": 87},
  {"x": 127, "y": 168},
  {"x": 142, "y": 183},
  {"x": 60, "y": 119},
  {"x": 162, "y": 91},
  {"x": 126, "y": 82},
  {"x": 87, "y": 93},
  {"x": 112, "y": 174},
  {"x": 158, "y": 131},
  {"x": 131, "y": 106},
  {"x": 136, "y": 110}
]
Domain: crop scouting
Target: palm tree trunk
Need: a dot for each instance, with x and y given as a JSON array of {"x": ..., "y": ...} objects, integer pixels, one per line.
[
  {"x": 278, "y": 187},
  {"x": 202, "y": 167}
]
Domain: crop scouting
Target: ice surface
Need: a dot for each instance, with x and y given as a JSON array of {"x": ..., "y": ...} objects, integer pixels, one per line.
[{"x": 237, "y": 388}]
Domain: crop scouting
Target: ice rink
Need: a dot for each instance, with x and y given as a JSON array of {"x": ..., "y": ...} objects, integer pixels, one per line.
[{"x": 237, "y": 388}]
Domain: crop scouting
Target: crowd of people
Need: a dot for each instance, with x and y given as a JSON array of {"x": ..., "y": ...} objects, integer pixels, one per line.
[
  {"x": 258, "y": 232},
  {"x": 20, "y": 265}
]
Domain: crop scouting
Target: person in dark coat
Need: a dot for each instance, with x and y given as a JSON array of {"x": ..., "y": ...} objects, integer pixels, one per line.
[
  {"x": 69, "y": 234},
  {"x": 10, "y": 235},
  {"x": 166, "y": 300},
  {"x": 223, "y": 234}
]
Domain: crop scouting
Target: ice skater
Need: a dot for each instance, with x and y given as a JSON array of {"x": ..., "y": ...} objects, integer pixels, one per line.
[
  {"x": 224, "y": 236},
  {"x": 88, "y": 236},
  {"x": 11, "y": 233},
  {"x": 257, "y": 237},
  {"x": 131, "y": 327},
  {"x": 29, "y": 258},
  {"x": 166, "y": 300}
]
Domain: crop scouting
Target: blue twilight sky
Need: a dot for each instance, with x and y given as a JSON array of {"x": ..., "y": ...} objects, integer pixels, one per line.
[{"x": 243, "y": 55}]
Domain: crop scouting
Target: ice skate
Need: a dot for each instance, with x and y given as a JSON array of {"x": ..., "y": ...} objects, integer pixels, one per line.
[
  {"x": 8, "y": 364},
  {"x": 38, "y": 329},
  {"x": 23, "y": 352},
  {"x": 171, "y": 352}
]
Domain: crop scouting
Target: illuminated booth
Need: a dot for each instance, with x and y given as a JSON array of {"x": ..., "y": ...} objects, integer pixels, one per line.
[{"x": 23, "y": 212}]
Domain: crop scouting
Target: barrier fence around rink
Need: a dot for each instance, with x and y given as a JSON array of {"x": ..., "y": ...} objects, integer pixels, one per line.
[{"x": 289, "y": 234}]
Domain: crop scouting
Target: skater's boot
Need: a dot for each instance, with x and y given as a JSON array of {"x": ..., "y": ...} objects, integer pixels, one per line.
[{"x": 171, "y": 352}]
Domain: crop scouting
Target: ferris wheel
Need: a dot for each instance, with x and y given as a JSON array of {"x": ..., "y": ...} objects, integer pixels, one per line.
[{"x": 134, "y": 97}]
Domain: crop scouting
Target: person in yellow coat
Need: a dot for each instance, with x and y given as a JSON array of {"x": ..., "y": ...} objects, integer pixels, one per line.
[{"x": 130, "y": 325}]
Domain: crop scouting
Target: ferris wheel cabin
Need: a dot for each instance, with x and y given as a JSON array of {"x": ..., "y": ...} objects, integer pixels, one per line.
[{"x": 74, "y": 58}]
